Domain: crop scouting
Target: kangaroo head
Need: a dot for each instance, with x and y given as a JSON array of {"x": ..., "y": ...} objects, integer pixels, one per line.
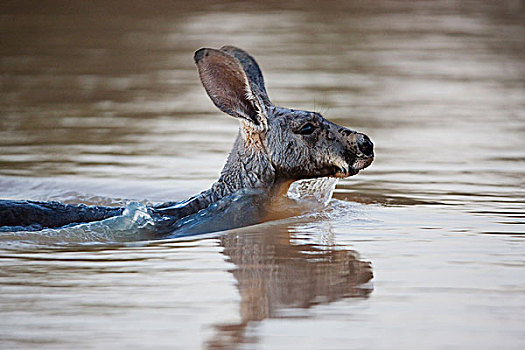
[{"x": 296, "y": 144}]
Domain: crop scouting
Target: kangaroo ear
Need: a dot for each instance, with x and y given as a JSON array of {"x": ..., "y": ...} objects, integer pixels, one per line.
[
  {"x": 252, "y": 70},
  {"x": 229, "y": 88}
]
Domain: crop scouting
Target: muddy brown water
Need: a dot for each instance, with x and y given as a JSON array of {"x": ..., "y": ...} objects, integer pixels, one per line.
[{"x": 101, "y": 103}]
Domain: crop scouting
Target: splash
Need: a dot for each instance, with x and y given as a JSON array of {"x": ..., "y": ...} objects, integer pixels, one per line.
[{"x": 320, "y": 189}]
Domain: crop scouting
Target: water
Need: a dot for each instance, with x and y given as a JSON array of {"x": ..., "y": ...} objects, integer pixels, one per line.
[{"x": 101, "y": 104}]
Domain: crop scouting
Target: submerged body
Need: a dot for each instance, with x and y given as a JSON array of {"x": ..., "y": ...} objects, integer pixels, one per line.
[{"x": 275, "y": 147}]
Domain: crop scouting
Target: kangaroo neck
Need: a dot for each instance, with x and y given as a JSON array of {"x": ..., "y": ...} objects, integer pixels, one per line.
[{"x": 248, "y": 167}]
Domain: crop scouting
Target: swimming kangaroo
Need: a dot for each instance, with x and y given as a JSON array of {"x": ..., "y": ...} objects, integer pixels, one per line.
[{"x": 275, "y": 146}]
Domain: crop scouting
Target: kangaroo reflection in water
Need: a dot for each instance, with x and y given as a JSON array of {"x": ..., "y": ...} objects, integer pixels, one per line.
[{"x": 274, "y": 273}]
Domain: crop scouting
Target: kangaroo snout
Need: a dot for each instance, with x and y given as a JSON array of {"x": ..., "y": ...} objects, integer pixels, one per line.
[
  {"x": 359, "y": 154},
  {"x": 365, "y": 145}
]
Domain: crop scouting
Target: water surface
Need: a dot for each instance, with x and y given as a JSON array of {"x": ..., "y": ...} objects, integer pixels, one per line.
[{"x": 101, "y": 104}]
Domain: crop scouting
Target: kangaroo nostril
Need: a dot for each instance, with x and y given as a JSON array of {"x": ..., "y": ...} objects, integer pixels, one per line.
[{"x": 365, "y": 145}]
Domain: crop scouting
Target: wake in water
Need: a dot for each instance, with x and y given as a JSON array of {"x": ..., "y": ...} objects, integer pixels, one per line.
[{"x": 138, "y": 222}]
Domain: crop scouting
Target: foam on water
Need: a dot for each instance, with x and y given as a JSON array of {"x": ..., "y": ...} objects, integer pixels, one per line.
[{"x": 320, "y": 189}]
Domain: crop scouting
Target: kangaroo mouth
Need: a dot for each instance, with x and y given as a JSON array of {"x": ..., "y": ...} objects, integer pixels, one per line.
[{"x": 346, "y": 170}]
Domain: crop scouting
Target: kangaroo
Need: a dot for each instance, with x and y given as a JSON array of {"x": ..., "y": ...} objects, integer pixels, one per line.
[{"x": 275, "y": 146}]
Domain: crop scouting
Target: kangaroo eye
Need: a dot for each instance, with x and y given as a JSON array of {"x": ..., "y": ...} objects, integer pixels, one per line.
[{"x": 306, "y": 129}]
